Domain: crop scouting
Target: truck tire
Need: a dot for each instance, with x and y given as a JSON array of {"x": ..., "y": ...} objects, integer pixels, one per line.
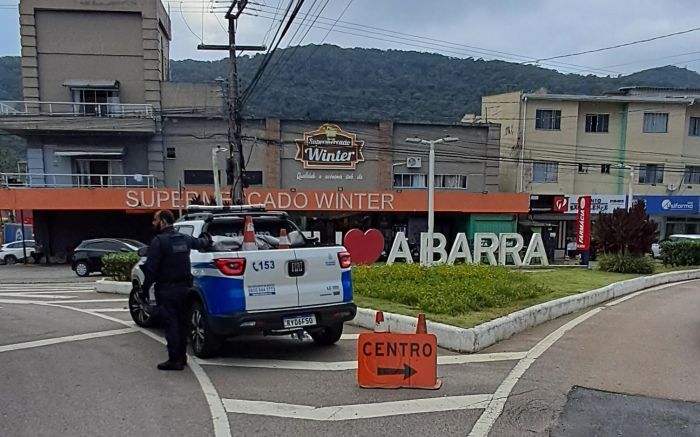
[
  {"x": 205, "y": 343},
  {"x": 329, "y": 335}
]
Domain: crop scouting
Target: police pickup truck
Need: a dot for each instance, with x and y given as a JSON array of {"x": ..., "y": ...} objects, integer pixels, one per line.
[{"x": 303, "y": 288}]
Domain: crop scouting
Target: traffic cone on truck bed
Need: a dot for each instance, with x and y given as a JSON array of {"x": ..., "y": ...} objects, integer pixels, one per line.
[
  {"x": 284, "y": 239},
  {"x": 249, "y": 234}
]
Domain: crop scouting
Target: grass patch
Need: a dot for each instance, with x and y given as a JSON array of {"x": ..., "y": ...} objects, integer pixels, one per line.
[{"x": 467, "y": 295}]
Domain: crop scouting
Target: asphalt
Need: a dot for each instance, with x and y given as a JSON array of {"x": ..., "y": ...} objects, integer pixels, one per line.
[{"x": 633, "y": 358}]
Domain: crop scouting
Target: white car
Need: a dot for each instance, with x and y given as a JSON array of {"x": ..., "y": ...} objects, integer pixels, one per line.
[
  {"x": 305, "y": 288},
  {"x": 12, "y": 252},
  {"x": 656, "y": 247}
]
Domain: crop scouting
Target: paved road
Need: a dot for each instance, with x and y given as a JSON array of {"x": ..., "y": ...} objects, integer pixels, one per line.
[
  {"x": 41, "y": 273},
  {"x": 72, "y": 363}
]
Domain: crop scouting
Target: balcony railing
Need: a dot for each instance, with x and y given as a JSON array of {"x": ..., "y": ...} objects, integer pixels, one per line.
[
  {"x": 56, "y": 180},
  {"x": 76, "y": 109}
]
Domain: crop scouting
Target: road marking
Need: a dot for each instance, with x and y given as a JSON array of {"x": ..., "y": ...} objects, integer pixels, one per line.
[
  {"x": 107, "y": 310},
  {"x": 334, "y": 366},
  {"x": 90, "y": 301},
  {"x": 357, "y": 411},
  {"x": 32, "y": 296},
  {"x": 219, "y": 418},
  {"x": 350, "y": 336},
  {"x": 51, "y": 341},
  {"x": 17, "y": 301},
  {"x": 54, "y": 291}
]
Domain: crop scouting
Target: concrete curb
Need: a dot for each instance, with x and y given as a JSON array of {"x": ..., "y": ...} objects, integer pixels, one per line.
[
  {"x": 484, "y": 335},
  {"x": 113, "y": 287}
]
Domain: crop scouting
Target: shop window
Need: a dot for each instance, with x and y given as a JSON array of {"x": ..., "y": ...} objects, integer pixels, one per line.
[
  {"x": 410, "y": 180},
  {"x": 655, "y": 122},
  {"x": 548, "y": 119},
  {"x": 545, "y": 172},
  {"x": 651, "y": 174}
]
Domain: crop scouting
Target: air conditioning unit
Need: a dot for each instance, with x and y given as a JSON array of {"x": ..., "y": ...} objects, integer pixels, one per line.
[
  {"x": 672, "y": 187},
  {"x": 413, "y": 162}
]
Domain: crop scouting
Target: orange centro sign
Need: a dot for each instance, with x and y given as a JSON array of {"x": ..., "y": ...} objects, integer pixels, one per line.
[{"x": 386, "y": 360}]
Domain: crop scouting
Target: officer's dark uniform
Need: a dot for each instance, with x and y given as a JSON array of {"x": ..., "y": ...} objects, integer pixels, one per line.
[{"x": 168, "y": 266}]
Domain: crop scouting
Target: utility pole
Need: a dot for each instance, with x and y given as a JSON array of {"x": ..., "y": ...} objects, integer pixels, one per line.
[{"x": 235, "y": 119}]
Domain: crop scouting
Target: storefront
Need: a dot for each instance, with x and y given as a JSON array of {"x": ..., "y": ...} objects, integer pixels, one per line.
[
  {"x": 674, "y": 214},
  {"x": 65, "y": 217}
]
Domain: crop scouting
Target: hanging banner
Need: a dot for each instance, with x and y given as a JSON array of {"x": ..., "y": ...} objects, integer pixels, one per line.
[{"x": 583, "y": 223}]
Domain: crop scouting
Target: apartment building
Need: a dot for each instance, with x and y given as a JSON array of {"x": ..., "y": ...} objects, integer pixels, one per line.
[
  {"x": 640, "y": 139},
  {"x": 110, "y": 140}
]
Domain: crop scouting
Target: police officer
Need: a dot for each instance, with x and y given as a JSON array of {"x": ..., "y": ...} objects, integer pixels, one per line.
[{"x": 168, "y": 266}]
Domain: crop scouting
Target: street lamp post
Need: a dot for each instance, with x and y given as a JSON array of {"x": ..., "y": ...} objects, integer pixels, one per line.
[
  {"x": 215, "y": 170},
  {"x": 431, "y": 184},
  {"x": 629, "y": 186}
]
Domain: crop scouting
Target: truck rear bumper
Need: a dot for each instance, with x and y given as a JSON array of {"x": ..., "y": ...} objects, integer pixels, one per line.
[{"x": 245, "y": 322}]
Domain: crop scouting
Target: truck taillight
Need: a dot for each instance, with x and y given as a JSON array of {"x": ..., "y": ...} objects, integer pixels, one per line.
[
  {"x": 231, "y": 266},
  {"x": 344, "y": 259}
]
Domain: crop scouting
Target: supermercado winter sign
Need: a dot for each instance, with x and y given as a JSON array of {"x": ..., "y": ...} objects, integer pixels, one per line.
[{"x": 329, "y": 147}]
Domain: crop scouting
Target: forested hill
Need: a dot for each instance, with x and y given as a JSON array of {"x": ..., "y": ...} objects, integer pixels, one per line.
[{"x": 328, "y": 82}]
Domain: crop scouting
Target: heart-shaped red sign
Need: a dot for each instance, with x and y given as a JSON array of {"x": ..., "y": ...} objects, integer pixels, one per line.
[{"x": 364, "y": 248}]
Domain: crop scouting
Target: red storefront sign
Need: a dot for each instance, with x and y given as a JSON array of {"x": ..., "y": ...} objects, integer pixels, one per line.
[
  {"x": 560, "y": 204},
  {"x": 583, "y": 224}
]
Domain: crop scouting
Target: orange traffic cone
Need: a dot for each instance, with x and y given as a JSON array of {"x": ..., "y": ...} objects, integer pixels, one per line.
[
  {"x": 284, "y": 239},
  {"x": 379, "y": 323},
  {"x": 249, "y": 234},
  {"x": 421, "y": 327}
]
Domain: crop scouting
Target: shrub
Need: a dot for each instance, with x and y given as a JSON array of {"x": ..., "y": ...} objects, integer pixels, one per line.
[
  {"x": 625, "y": 232},
  {"x": 118, "y": 266},
  {"x": 445, "y": 289},
  {"x": 681, "y": 253},
  {"x": 621, "y": 263}
]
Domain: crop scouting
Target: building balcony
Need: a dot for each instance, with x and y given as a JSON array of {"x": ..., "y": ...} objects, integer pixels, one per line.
[
  {"x": 56, "y": 180},
  {"x": 36, "y": 117}
]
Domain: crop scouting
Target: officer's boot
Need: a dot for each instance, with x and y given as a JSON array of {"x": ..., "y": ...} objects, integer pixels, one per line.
[{"x": 171, "y": 365}]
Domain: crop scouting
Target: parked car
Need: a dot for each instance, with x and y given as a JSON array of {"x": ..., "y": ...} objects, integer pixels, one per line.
[
  {"x": 12, "y": 252},
  {"x": 656, "y": 247},
  {"x": 87, "y": 257}
]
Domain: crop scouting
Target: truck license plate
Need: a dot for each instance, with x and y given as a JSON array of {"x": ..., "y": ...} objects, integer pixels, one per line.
[{"x": 299, "y": 321}]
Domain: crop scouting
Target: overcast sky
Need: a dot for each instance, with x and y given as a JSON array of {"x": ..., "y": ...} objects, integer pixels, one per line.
[{"x": 525, "y": 29}]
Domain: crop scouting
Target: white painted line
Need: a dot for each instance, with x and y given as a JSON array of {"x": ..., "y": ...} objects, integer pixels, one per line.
[
  {"x": 334, "y": 366},
  {"x": 357, "y": 411},
  {"x": 108, "y": 310},
  {"x": 17, "y": 301},
  {"x": 51, "y": 341},
  {"x": 90, "y": 301},
  {"x": 58, "y": 290},
  {"x": 483, "y": 426},
  {"x": 33, "y": 296},
  {"x": 219, "y": 418},
  {"x": 350, "y": 336},
  {"x": 630, "y": 296}
]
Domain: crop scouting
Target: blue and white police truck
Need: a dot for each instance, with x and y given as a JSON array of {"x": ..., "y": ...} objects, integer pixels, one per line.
[{"x": 306, "y": 288}]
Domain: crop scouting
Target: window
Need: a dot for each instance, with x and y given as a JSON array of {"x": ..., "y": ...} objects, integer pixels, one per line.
[
  {"x": 692, "y": 175},
  {"x": 185, "y": 229},
  {"x": 170, "y": 153},
  {"x": 96, "y": 172},
  {"x": 410, "y": 180},
  {"x": 95, "y": 101},
  {"x": 548, "y": 119},
  {"x": 694, "y": 129},
  {"x": 199, "y": 177},
  {"x": 651, "y": 174},
  {"x": 451, "y": 181},
  {"x": 545, "y": 172},
  {"x": 253, "y": 178},
  {"x": 605, "y": 168},
  {"x": 583, "y": 168},
  {"x": 655, "y": 122},
  {"x": 597, "y": 122}
]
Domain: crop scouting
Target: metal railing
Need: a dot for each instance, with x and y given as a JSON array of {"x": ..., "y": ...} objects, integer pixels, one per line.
[
  {"x": 76, "y": 109},
  {"x": 65, "y": 180}
]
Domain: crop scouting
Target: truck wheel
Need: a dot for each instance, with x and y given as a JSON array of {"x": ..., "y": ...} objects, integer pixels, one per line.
[
  {"x": 205, "y": 343},
  {"x": 329, "y": 335},
  {"x": 141, "y": 312}
]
